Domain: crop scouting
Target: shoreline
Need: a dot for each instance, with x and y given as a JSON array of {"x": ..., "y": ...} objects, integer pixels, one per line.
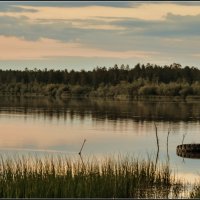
[{"x": 188, "y": 98}]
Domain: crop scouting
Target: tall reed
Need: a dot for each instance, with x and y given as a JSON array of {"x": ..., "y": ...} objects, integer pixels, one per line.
[{"x": 62, "y": 177}]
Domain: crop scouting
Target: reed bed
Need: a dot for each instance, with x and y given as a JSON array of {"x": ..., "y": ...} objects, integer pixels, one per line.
[
  {"x": 62, "y": 177},
  {"x": 195, "y": 192}
]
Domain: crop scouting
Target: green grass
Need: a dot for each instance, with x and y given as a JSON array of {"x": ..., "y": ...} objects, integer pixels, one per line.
[{"x": 59, "y": 177}]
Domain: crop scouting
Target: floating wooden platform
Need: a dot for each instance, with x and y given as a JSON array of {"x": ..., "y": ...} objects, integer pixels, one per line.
[{"x": 188, "y": 150}]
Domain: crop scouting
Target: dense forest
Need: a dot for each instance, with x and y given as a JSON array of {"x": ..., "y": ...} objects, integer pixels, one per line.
[{"x": 141, "y": 80}]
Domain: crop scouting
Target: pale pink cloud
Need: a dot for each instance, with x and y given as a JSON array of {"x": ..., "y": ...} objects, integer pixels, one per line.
[
  {"x": 13, "y": 48},
  {"x": 150, "y": 11}
]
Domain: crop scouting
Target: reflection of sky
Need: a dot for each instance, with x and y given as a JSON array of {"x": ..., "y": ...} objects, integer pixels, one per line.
[{"x": 20, "y": 133}]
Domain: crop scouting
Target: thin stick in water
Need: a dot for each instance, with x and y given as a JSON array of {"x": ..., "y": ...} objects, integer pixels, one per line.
[
  {"x": 82, "y": 147},
  {"x": 182, "y": 143},
  {"x": 157, "y": 140},
  {"x": 183, "y": 137},
  {"x": 168, "y": 144}
]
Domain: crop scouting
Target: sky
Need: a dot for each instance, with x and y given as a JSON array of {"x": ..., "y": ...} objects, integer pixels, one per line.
[{"x": 83, "y": 35}]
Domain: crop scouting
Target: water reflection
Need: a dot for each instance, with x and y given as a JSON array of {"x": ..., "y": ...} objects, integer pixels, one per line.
[
  {"x": 193, "y": 155},
  {"x": 102, "y": 109},
  {"x": 110, "y": 127}
]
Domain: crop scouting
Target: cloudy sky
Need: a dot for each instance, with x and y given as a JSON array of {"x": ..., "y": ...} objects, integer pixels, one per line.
[{"x": 83, "y": 35}]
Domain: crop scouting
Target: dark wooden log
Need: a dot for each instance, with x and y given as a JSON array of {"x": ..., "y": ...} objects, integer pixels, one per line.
[{"x": 188, "y": 150}]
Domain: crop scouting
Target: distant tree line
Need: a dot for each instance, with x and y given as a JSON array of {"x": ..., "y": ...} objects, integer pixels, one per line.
[
  {"x": 102, "y": 75},
  {"x": 142, "y": 79}
]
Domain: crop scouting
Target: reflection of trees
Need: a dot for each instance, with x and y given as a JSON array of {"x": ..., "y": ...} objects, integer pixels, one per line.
[{"x": 102, "y": 109}]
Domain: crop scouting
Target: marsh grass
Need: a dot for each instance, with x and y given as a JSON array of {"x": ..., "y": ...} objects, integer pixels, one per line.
[
  {"x": 62, "y": 177},
  {"x": 195, "y": 191}
]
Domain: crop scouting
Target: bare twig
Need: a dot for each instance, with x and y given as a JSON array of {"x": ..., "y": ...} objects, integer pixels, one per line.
[
  {"x": 157, "y": 140},
  {"x": 182, "y": 143},
  {"x": 183, "y": 137},
  {"x": 168, "y": 144},
  {"x": 82, "y": 147},
  {"x": 81, "y": 152},
  {"x": 157, "y": 155}
]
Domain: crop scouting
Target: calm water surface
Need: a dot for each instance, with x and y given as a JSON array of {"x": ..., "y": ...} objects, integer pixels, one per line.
[{"x": 54, "y": 126}]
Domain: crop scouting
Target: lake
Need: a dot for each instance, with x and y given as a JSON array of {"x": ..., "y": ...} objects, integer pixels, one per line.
[{"x": 42, "y": 125}]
